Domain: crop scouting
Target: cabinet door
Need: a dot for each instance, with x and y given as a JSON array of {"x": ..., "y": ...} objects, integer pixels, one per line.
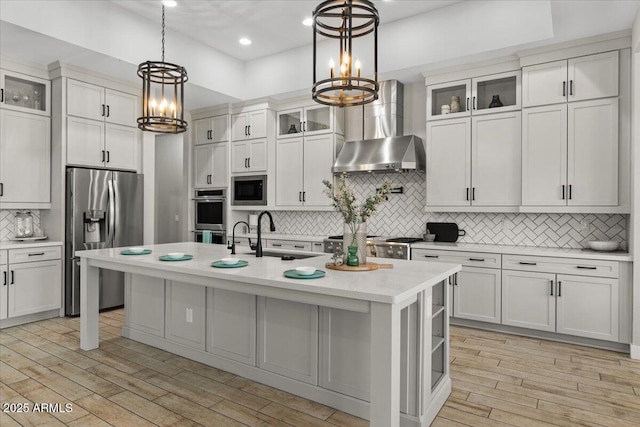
[
  {"x": 25, "y": 157},
  {"x": 528, "y": 300},
  {"x": 203, "y": 162},
  {"x": 85, "y": 142},
  {"x": 504, "y": 85},
  {"x": 231, "y": 325},
  {"x": 85, "y": 100},
  {"x": 318, "y": 120},
  {"x": 289, "y": 171},
  {"x": 257, "y": 124},
  {"x": 588, "y": 307},
  {"x": 257, "y": 155},
  {"x": 544, "y": 155},
  {"x": 34, "y": 287},
  {"x": 290, "y": 123},
  {"x": 477, "y": 294},
  {"x": 318, "y": 160},
  {"x": 544, "y": 84},
  {"x": 4, "y": 292},
  {"x": 25, "y": 93},
  {"x": 239, "y": 129},
  {"x": 121, "y": 108},
  {"x": 593, "y": 153},
  {"x": 144, "y": 304},
  {"x": 449, "y": 162},
  {"x": 239, "y": 156},
  {"x": 121, "y": 143},
  {"x": 288, "y": 339},
  {"x": 202, "y": 131},
  {"x": 496, "y": 160},
  {"x": 219, "y": 174},
  {"x": 220, "y": 126},
  {"x": 593, "y": 76},
  {"x": 443, "y": 95},
  {"x": 185, "y": 314}
]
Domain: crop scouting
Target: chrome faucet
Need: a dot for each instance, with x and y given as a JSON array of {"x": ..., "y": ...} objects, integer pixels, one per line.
[
  {"x": 233, "y": 237},
  {"x": 258, "y": 246}
]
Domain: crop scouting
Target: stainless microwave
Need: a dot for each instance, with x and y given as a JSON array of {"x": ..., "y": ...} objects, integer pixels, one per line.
[{"x": 249, "y": 190}]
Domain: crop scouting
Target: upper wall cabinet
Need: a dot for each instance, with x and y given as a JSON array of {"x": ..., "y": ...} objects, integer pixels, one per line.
[
  {"x": 25, "y": 93},
  {"x": 212, "y": 129},
  {"x": 98, "y": 103},
  {"x": 481, "y": 95},
  {"x": 249, "y": 125},
  {"x": 307, "y": 121},
  {"x": 576, "y": 79}
]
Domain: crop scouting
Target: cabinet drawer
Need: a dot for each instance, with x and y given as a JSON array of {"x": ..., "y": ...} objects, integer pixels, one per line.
[
  {"x": 467, "y": 259},
  {"x": 295, "y": 245},
  {"x": 576, "y": 266},
  {"x": 3, "y": 257},
  {"x": 35, "y": 254}
]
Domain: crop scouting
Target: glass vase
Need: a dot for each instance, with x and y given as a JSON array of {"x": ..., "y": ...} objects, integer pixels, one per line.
[{"x": 355, "y": 234}]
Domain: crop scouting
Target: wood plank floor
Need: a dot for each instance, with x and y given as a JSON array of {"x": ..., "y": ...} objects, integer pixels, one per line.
[{"x": 498, "y": 380}]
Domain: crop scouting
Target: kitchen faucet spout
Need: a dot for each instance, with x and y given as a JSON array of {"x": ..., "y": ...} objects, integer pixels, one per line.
[
  {"x": 272, "y": 227},
  {"x": 233, "y": 237}
]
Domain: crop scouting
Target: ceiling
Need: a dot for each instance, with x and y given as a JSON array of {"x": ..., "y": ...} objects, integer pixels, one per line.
[{"x": 113, "y": 37}]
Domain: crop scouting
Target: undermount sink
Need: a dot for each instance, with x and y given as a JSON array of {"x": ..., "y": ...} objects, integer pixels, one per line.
[{"x": 281, "y": 254}]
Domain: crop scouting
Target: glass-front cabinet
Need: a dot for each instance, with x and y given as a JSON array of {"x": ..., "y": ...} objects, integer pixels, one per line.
[
  {"x": 481, "y": 95},
  {"x": 25, "y": 93},
  {"x": 307, "y": 120}
]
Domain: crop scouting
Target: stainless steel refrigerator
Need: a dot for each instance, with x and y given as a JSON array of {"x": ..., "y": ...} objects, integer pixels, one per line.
[{"x": 104, "y": 210}]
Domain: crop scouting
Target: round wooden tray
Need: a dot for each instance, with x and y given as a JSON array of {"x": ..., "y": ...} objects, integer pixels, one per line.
[{"x": 369, "y": 266}]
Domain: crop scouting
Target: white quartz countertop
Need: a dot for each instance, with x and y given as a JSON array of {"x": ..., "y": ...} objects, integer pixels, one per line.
[
  {"x": 384, "y": 285},
  {"x": 28, "y": 244},
  {"x": 525, "y": 250},
  {"x": 279, "y": 236}
]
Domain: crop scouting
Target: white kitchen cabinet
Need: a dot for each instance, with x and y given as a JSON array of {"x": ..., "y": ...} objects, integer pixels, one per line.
[
  {"x": 579, "y": 304},
  {"x": 231, "y": 325},
  {"x": 249, "y": 156},
  {"x": 185, "y": 314},
  {"x": 575, "y": 79},
  {"x": 210, "y": 162},
  {"x": 308, "y": 121},
  {"x": 25, "y": 159},
  {"x": 34, "y": 287},
  {"x": 474, "y": 96},
  {"x": 22, "y": 92},
  {"x": 98, "y": 103},
  {"x": 94, "y": 143},
  {"x": 474, "y": 161},
  {"x": 212, "y": 129},
  {"x": 302, "y": 164},
  {"x": 145, "y": 304},
  {"x": 249, "y": 125},
  {"x": 288, "y": 339},
  {"x": 570, "y": 154}
]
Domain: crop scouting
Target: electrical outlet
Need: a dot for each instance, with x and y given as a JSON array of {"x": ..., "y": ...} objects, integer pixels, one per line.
[
  {"x": 584, "y": 225},
  {"x": 177, "y": 218},
  {"x": 189, "y": 315}
]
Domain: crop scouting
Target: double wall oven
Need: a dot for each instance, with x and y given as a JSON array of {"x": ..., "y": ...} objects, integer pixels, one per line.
[{"x": 210, "y": 215}]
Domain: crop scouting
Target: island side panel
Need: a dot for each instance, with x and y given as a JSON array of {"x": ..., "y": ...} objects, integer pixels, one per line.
[{"x": 89, "y": 302}]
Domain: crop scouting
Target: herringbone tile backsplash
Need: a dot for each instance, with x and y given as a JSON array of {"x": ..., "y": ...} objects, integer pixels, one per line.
[
  {"x": 403, "y": 215},
  {"x": 7, "y": 229}
]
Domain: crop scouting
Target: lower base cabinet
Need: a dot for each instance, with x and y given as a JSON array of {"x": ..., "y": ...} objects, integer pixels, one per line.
[
  {"x": 477, "y": 294},
  {"x": 185, "y": 314},
  {"x": 145, "y": 304},
  {"x": 231, "y": 325},
  {"x": 288, "y": 339}
]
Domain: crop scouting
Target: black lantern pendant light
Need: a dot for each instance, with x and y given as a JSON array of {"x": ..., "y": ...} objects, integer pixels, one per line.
[
  {"x": 165, "y": 115},
  {"x": 345, "y": 20}
]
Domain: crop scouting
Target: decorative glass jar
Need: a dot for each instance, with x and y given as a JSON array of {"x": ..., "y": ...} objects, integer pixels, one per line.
[
  {"x": 355, "y": 234},
  {"x": 23, "y": 224}
]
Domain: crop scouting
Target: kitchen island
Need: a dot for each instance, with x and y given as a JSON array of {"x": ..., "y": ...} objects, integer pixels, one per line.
[{"x": 402, "y": 310}]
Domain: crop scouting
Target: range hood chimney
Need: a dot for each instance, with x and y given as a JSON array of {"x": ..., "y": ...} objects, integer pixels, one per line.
[{"x": 383, "y": 147}]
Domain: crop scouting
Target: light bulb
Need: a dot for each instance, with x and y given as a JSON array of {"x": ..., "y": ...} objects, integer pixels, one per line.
[
  {"x": 358, "y": 66},
  {"x": 332, "y": 64},
  {"x": 152, "y": 106},
  {"x": 345, "y": 58}
]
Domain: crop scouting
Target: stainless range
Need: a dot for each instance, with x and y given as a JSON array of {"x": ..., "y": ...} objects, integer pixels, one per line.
[{"x": 378, "y": 247}]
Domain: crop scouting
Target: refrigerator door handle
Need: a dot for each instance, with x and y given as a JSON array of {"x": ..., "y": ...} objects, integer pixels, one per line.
[{"x": 112, "y": 214}]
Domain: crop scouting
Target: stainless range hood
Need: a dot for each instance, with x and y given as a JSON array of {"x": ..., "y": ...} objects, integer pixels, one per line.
[{"x": 382, "y": 148}]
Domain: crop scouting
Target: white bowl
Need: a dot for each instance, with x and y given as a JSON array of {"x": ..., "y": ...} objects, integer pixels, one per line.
[
  {"x": 305, "y": 271},
  {"x": 229, "y": 261},
  {"x": 136, "y": 250},
  {"x": 175, "y": 255},
  {"x": 603, "y": 245}
]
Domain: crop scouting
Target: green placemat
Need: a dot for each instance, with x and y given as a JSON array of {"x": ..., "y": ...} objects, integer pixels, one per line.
[
  {"x": 168, "y": 258},
  {"x": 293, "y": 274},
  {"x": 128, "y": 252},
  {"x": 220, "y": 264}
]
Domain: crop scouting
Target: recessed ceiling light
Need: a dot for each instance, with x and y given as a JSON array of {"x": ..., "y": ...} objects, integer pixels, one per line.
[
  {"x": 245, "y": 41},
  {"x": 307, "y": 22},
  {"x": 169, "y": 3}
]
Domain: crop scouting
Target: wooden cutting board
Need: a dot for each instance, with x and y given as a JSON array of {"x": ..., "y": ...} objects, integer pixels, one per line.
[{"x": 369, "y": 266}]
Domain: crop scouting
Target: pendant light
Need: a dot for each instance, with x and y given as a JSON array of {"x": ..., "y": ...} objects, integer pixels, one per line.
[
  {"x": 165, "y": 115},
  {"x": 345, "y": 20}
]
